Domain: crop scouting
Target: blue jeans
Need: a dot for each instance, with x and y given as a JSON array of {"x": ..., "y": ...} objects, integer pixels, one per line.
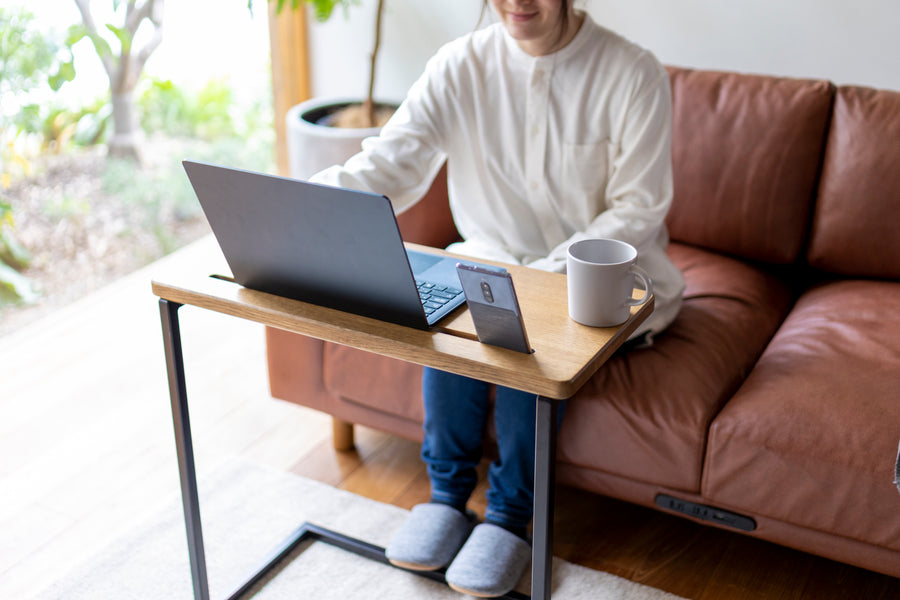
[{"x": 456, "y": 412}]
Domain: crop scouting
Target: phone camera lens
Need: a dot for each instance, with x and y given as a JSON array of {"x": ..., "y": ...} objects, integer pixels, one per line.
[{"x": 486, "y": 292}]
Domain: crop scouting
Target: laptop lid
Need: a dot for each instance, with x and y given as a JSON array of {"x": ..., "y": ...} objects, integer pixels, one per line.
[{"x": 329, "y": 246}]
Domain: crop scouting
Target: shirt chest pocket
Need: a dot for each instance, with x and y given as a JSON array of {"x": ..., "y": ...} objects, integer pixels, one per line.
[{"x": 586, "y": 170}]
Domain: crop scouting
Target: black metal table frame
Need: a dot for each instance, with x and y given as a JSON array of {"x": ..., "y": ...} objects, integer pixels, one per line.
[{"x": 544, "y": 478}]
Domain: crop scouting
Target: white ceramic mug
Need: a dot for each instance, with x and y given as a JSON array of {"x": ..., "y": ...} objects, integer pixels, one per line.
[{"x": 600, "y": 277}]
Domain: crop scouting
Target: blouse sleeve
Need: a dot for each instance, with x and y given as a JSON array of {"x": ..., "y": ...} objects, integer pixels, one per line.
[{"x": 402, "y": 161}]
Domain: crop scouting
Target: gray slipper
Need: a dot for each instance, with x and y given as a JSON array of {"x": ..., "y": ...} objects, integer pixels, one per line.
[
  {"x": 490, "y": 563},
  {"x": 430, "y": 537}
]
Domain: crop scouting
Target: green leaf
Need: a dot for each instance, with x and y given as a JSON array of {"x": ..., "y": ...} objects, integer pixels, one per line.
[
  {"x": 323, "y": 9},
  {"x": 12, "y": 252},
  {"x": 15, "y": 288},
  {"x": 122, "y": 35},
  {"x": 65, "y": 73},
  {"x": 76, "y": 34},
  {"x": 79, "y": 32}
]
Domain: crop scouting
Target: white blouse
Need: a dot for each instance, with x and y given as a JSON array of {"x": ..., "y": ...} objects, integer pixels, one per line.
[{"x": 541, "y": 151}]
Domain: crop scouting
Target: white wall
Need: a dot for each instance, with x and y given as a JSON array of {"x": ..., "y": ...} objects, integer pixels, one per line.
[{"x": 848, "y": 42}]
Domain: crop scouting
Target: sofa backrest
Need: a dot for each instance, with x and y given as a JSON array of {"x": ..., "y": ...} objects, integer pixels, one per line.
[
  {"x": 854, "y": 230},
  {"x": 746, "y": 154},
  {"x": 429, "y": 221}
]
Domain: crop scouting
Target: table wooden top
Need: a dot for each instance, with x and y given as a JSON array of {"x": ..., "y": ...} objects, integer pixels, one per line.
[{"x": 566, "y": 353}]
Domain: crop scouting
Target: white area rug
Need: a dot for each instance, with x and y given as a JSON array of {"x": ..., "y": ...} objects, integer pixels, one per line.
[{"x": 247, "y": 510}]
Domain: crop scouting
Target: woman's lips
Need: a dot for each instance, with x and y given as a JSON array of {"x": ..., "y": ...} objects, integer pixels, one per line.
[{"x": 521, "y": 17}]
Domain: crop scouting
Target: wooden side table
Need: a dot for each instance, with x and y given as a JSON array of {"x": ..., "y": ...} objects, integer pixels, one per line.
[{"x": 566, "y": 356}]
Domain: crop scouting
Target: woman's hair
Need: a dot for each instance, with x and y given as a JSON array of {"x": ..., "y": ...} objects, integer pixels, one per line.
[{"x": 563, "y": 17}]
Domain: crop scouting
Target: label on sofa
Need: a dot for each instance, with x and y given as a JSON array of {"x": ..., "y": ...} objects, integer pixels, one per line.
[{"x": 705, "y": 513}]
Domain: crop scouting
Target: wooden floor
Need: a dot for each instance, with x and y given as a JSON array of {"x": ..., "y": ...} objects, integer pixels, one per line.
[{"x": 87, "y": 451}]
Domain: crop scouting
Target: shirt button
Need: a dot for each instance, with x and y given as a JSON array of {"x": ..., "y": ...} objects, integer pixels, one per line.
[{"x": 534, "y": 185}]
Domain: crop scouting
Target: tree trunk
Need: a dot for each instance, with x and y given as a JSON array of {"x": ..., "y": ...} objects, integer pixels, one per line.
[
  {"x": 124, "y": 70},
  {"x": 127, "y": 134},
  {"x": 369, "y": 102}
]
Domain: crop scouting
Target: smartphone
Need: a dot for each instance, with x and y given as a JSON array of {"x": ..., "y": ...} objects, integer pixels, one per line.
[{"x": 494, "y": 307}]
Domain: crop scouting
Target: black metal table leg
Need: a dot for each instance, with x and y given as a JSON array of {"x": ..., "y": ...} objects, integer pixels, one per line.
[
  {"x": 545, "y": 456},
  {"x": 544, "y": 491},
  {"x": 168, "y": 312}
]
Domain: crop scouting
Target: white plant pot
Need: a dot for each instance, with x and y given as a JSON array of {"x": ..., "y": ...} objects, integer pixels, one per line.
[{"x": 313, "y": 147}]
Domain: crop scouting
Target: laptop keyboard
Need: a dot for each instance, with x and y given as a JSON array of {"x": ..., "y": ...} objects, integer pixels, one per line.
[{"x": 435, "y": 296}]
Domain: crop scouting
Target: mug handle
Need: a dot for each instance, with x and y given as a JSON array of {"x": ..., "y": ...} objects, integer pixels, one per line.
[{"x": 648, "y": 288}]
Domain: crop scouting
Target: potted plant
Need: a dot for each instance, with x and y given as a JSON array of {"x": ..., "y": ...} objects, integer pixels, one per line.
[{"x": 326, "y": 131}]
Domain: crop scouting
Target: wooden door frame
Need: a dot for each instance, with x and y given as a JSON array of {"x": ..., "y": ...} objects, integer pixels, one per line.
[{"x": 288, "y": 42}]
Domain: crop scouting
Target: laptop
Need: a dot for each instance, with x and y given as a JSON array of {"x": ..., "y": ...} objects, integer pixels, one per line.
[{"x": 329, "y": 246}]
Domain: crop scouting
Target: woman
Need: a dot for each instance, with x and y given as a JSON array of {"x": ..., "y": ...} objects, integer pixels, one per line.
[{"x": 554, "y": 129}]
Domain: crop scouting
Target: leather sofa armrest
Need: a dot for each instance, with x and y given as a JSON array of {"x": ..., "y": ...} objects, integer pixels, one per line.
[{"x": 295, "y": 364}]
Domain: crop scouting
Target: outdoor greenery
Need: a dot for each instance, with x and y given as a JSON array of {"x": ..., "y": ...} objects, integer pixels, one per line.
[
  {"x": 35, "y": 122},
  {"x": 123, "y": 60},
  {"x": 29, "y": 61},
  {"x": 31, "y": 65},
  {"x": 167, "y": 108},
  {"x": 13, "y": 286}
]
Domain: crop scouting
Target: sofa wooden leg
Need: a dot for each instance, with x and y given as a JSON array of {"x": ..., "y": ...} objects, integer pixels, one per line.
[{"x": 342, "y": 435}]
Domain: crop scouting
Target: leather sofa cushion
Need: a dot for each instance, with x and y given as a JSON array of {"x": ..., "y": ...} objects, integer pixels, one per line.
[
  {"x": 855, "y": 221},
  {"x": 811, "y": 436},
  {"x": 746, "y": 151},
  {"x": 645, "y": 414}
]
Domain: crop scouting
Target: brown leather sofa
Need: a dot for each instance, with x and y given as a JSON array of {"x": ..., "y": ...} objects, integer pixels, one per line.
[{"x": 772, "y": 404}]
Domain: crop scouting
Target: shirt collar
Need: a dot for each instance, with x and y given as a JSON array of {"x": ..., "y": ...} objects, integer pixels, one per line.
[{"x": 560, "y": 55}]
